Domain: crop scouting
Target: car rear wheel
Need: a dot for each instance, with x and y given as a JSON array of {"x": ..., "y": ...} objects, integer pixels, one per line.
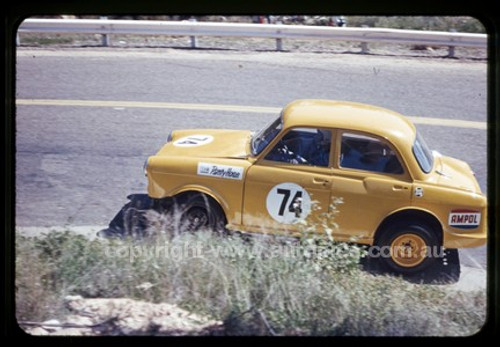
[
  {"x": 408, "y": 247},
  {"x": 198, "y": 211}
]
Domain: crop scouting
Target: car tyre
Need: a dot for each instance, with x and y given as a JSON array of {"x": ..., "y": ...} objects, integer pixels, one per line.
[
  {"x": 408, "y": 247},
  {"x": 198, "y": 211}
]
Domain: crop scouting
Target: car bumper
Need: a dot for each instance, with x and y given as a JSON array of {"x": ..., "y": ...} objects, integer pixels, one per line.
[{"x": 463, "y": 240}]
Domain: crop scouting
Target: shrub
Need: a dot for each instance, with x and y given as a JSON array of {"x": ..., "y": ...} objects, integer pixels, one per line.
[
  {"x": 435, "y": 23},
  {"x": 257, "y": 286}
]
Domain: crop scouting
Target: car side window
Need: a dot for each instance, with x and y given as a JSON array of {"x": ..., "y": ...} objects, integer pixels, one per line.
[
  {"x": 303, "y": 146},
  {"x": 368, "y": 153}
]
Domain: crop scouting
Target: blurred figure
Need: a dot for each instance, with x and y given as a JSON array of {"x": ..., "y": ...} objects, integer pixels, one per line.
[{"x": 341, "y": 21}]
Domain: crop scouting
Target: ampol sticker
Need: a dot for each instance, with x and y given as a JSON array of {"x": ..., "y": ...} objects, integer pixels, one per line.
[
  {"x": 464, "y": 219},
  {"x": 193, "y": 141}
]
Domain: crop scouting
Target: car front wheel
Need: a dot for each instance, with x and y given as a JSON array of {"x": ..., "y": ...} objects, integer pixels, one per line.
[{"x": 198, "y": 211}]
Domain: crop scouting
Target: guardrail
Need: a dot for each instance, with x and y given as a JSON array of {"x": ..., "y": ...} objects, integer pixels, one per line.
[{"x": 274, "y": 31}]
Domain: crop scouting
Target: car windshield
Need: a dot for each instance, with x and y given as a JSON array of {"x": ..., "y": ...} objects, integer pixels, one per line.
[
  {"x": 423, "y": 154},
  {"x": 262, "y": 138}
]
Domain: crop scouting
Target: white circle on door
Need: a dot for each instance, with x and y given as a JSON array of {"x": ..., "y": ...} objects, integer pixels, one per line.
[
  {"x": 288, "y": 203},
  {"x": 193, "y": 141}
]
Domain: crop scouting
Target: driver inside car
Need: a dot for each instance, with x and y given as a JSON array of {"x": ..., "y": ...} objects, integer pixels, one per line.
[{"x": 303, "y": 147}]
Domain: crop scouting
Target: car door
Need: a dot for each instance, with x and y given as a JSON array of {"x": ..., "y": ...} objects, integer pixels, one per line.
[
  {"x": 371, "y": 179},
  {"x": 290, "y": 182}
]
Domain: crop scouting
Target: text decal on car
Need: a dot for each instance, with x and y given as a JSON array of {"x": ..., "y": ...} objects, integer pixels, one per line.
[
  {"x": 464, "y": 219},
  {"x": 193, "y": 141},
  {"x": 221, "y": 171}
]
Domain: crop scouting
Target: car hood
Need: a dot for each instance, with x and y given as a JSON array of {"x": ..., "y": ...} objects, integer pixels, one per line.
[
  {"x": 204, "y": 143},
  {"x": 455, "y": 173}
]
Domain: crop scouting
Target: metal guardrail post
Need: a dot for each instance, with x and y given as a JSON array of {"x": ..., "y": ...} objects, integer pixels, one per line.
[
  {"x": 364, "y": 48},
  {"x": 364, "y": 45},
  {"x": 279, "y": 40},
  {"x": 193, "y": 41},
  {"x": 279, "y": 44},
  {"x": 451, "y": 52},
  {"x": 105, "y": 37},
  {"x": 451, "y": 49},
  {"x": 193, "y": 38}
]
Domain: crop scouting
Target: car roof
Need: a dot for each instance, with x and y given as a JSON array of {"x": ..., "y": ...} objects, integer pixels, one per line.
[{"x": 352, "y": 116}]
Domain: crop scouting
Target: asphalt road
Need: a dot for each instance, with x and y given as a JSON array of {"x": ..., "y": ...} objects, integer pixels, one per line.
[{"x": 76, "y": 165}]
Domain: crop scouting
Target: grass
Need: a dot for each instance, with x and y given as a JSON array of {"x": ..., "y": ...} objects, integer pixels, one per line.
[{"x": 256, "y": 286}]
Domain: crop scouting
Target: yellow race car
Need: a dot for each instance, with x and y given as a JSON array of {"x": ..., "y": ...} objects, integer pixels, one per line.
[{"x": 398, "y": 195}]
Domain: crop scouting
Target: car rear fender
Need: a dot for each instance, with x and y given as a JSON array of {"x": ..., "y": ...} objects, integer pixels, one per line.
[{"x": 412, "y": 214}]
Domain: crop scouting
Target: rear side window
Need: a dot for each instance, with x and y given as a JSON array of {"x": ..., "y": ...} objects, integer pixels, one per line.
[{"x": 362, "y": 152}]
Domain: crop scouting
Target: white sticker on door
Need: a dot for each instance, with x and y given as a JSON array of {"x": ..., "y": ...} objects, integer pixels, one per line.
[
  {"x": 288, "y": 203},
  {"x": 193, "y": 141}
]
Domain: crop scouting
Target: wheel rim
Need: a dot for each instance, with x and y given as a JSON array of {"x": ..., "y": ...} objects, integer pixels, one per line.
[
  {"x": 408, "y": 250},
  {"x": 196, "y": 217}
]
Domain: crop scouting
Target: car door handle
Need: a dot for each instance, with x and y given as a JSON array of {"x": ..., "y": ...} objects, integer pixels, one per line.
[
  {"x": 398, "y": 187},
  {"x": 319, "y": 180}
]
